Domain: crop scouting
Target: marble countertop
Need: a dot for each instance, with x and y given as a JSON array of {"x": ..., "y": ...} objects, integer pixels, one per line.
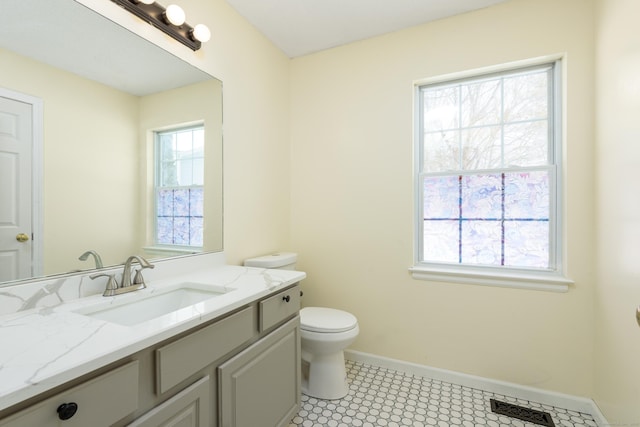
[{"x": 44, "y": 347}]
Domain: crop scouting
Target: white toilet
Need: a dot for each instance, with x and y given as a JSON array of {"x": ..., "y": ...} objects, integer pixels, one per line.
[{"x": 325, "y": 333}]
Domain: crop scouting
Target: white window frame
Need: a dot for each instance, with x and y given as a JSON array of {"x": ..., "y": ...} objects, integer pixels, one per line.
[{"x": 552, "y": 279}]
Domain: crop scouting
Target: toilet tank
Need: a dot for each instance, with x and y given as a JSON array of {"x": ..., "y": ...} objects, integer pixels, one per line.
[{"x": 281, "y": 260}]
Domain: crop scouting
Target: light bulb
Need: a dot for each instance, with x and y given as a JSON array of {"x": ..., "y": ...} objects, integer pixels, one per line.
[
  {"x": 175, "y": 15},
  {"x": 201, "y": 33}
]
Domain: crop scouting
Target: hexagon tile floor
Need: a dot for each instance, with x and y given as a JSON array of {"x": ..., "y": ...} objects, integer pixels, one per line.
[{"x": 380, "y": 397}]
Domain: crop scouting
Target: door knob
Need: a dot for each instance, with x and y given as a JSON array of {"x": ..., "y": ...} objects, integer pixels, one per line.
[
  {"x": 21, "y": 237},
  {"x": 638, "y": 315}
]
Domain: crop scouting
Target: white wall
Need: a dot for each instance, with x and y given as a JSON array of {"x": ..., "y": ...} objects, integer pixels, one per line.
[
  {"x": 618, "y": 154},
  {"x": 352, "y": 204}
]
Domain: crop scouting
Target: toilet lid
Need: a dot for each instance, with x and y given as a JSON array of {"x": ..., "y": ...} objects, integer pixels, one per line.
[{"x": 321, "y": 319}]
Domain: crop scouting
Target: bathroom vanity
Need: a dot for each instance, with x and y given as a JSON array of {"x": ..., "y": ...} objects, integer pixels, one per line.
[{"x": 234, "y": 363}]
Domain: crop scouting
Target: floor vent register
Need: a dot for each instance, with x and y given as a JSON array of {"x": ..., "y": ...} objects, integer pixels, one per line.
[{"x": 521, "y": 413}]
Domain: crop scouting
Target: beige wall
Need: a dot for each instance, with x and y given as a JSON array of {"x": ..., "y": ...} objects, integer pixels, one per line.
[
  {"x": 84, "y": 201},
  {"x": 618, "y": 154},
  {"x": 255, "y": 76},
  {"x": 352, "y": 204}
]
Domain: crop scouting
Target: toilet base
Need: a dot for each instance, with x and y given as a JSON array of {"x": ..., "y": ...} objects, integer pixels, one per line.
[{"x": 325, "y": 377}]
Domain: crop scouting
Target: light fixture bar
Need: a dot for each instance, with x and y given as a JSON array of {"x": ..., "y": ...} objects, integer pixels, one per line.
[{"x": 154, "y": 14}]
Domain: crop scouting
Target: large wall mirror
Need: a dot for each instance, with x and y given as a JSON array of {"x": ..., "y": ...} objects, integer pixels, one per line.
[{"x": 90, "y": 98}]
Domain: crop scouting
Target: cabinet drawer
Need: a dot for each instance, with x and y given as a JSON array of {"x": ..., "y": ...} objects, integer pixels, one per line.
[
  {"x": 100, "y": 402},
  {"x": 175, "y": 362},
  {"x": 279, "y": 307}
]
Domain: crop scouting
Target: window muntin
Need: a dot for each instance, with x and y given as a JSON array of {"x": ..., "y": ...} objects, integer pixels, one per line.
[
  {"x": 179, "y": 187},
  {"x": 487, "y": 174}
]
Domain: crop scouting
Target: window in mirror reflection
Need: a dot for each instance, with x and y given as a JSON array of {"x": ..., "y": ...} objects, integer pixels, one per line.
[{"x": 179, "y": 186}]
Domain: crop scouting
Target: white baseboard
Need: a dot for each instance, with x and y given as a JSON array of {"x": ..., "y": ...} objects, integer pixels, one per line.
[{"x": 545, "y": 397}]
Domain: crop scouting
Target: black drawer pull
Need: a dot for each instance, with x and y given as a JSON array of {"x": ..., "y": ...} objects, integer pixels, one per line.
[
  {"x": 67, "y": 410},
  {"x": 286, "y": 298},
  {"x": 301, "y": 293}
]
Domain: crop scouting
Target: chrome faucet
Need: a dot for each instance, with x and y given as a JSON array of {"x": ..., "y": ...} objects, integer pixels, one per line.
[{"x": 95, "y": 255}]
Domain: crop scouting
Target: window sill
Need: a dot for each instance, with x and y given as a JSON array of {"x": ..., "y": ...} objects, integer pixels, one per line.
[
  {"x": 532, "y": 281},
  {"x": 163, "y": 250}
]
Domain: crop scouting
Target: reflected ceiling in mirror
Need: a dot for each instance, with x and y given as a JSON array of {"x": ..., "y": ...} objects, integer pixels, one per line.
[
  {"x": 70, "y": 36},
  {"x": 104, "y": 89}
]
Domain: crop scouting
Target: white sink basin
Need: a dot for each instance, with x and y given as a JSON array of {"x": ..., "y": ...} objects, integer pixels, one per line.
[{"x": 147, "y": 306}]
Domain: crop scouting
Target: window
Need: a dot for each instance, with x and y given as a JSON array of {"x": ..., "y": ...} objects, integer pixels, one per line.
[
  {"x": 487, "y": 174},
  {"x": 179, "y": 187}
]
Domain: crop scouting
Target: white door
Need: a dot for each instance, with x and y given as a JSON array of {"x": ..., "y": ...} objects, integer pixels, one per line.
[{"x": 16, "y": 142}]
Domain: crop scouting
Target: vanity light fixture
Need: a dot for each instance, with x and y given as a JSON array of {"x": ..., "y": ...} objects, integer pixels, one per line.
[
  {"x": 201, "y": 32},
  {"x": 170, "y": 20},
  {"x": 174, "y": 15}
]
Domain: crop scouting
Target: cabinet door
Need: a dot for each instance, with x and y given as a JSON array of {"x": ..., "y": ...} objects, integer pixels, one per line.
[
  {"x": 261, "y": 385},
  {"x": 189, "y": 408}
]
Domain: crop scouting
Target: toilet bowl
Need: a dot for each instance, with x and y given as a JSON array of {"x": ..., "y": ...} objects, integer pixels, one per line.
[{"x": 325, "y": 333}]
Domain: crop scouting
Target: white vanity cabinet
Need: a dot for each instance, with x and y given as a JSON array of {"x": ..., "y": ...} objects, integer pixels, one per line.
[{"x": 241, "y": 369}]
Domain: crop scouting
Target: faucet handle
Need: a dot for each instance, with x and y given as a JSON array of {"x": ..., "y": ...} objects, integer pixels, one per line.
[
  {"x": 138, "y": 279},
  {"x": 112, "y": 283}
]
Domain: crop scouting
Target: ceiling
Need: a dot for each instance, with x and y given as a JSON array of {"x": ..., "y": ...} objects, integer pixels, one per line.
[{"x": 300, "y": 27}]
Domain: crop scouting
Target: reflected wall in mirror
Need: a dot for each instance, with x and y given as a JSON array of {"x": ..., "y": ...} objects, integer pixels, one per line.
[{"x": 104, "y": 91}]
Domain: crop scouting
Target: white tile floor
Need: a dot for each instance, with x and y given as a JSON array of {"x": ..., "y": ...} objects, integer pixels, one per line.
[{"x": 382, "y": 397}]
